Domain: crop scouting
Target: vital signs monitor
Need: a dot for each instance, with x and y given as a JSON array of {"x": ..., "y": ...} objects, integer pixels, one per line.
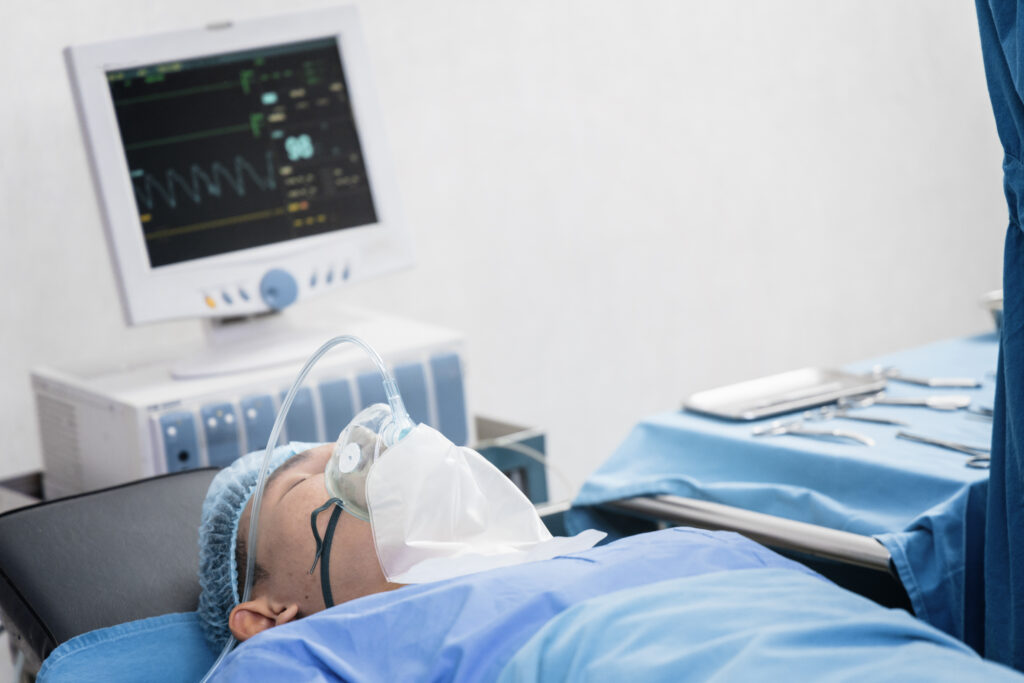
[{"x": 239, "y": 167}]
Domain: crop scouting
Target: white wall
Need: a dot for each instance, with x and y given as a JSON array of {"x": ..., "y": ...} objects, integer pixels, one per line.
[{"x": 620, "y": 203}]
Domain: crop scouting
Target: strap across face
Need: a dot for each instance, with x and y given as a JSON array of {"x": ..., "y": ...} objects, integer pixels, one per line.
[{"x": 323, "y": 546}]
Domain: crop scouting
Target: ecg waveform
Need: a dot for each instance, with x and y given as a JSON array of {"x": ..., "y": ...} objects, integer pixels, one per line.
[{"x": 197, "y": 182}]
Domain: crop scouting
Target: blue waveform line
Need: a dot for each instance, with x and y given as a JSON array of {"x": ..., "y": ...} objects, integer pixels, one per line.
[{"x": 197, "y": 179}]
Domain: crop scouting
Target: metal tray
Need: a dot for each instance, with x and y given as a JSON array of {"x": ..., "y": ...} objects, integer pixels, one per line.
[{"x": 783, "y": 393}]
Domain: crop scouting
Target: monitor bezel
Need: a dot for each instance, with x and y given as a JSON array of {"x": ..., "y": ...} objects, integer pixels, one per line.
[{"x": 180, "y": 290}]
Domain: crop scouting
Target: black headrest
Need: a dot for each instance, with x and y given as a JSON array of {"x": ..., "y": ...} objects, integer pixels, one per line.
[{"x": 76, "y": 564}]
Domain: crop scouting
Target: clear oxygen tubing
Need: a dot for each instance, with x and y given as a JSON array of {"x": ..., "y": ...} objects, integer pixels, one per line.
[{"x": 401, "y": 424}]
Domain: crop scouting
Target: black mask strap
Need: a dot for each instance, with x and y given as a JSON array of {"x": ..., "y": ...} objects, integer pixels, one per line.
[{"x": 323, "y": 547}]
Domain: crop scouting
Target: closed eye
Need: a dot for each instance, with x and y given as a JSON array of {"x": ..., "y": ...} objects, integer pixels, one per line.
[{"x": 297, "y": 481}]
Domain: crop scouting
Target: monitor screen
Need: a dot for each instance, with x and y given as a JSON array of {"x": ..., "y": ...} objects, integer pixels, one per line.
[
  {"x": 242, "y": 149},
  {"x": 240, "y": 167}
]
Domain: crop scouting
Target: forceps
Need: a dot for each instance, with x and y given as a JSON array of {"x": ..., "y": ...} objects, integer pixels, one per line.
[
  {"x": 979, "y": 456},
  {"x": 797, "y": 428},
  {"x": 832, "y": 411}
]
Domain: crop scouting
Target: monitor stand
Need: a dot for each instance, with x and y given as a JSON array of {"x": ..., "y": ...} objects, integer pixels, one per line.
[{"x": 238, "y": 345}]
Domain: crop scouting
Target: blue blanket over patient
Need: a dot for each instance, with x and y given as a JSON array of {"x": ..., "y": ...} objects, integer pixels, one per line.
[
  {"x": 747, "y": 625},
  {"x": 466, "y": 629},
  {"x": 679, "y": 604}
]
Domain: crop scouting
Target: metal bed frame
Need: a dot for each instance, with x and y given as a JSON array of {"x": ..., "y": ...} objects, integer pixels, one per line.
[{"x": 777, "y": 532}]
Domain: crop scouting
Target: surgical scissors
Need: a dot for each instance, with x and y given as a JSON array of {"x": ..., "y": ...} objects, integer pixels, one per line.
[
  {"x": 980, "y": 456},
  {"x": 797, "y": 428}
]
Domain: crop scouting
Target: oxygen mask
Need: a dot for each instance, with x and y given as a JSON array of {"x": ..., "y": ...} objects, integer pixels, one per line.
[{"x": 359, "y": 446}]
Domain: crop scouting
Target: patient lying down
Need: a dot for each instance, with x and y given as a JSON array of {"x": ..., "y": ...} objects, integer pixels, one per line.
[
  {"x": 437, "y": 511},
  {"x": 668, "y": 605}
]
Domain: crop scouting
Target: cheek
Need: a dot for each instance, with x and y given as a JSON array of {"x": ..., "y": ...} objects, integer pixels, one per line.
[
  {"x": 353, "y": 556},
  {"x": 294, "y": 546}
]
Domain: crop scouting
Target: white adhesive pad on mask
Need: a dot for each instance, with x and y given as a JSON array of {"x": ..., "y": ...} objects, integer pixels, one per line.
[{"x": 440, "y": 511}]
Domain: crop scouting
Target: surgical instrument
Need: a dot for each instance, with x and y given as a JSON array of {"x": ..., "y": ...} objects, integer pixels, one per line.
[
  {"x": 797, "y": 428},
  {"x": 836, "y": 412},
  {"x": 979, "y": 462},
  {"x": 951, "y": 402},
  {"x": 979, "y": 454},
  {"x": 947, "y": 382},
  {"x": 783, "y": 393}
]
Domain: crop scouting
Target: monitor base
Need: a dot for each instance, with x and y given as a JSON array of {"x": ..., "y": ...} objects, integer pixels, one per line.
[{"x": 238, "y": 345}]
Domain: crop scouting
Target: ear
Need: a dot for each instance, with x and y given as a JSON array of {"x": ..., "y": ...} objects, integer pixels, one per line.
[{"x": 259, "y": 614}]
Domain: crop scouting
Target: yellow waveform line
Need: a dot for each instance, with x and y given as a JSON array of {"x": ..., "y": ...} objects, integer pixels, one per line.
[{"x": 219, "y": 223}]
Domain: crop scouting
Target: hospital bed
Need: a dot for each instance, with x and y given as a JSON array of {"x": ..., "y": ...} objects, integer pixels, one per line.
[
  {"x": 76, "y": 564},
  {"x": 126, "y": 553}
]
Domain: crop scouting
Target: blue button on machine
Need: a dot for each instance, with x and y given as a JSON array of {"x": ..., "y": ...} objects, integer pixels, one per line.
[
  {"x": 451, "y": 397},
  {"x": 278, "y": 289},
  {"x": 258, "y": 415},
  {"x": 412, "y": 383},
  {"x": 337, "y": 407},
  {"x": 221, "y": 429},
  {"x": 181, "y": 447},
  {"x": 301, "y": 420}
]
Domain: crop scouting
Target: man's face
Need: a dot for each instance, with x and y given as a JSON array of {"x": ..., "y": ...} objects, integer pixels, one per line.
[{"x": 286, "y": 546}]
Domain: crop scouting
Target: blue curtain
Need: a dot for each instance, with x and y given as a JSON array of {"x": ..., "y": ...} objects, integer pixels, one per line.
[{"x": 1002, "y": 43}]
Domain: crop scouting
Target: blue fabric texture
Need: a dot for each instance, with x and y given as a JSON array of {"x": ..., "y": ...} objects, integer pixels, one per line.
[
  {"x": 168, "y": 649},
  {"x": 921, "y": 502},
  {"x": 466, "y": 629},
  {"x": 1002, "y": 44},
  {"x": 225, "y": 500},
  {"x": 746, "y": 625}
]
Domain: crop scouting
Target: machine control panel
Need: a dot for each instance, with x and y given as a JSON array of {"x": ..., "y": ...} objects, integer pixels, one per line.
[{"x": 218, "y": 431}]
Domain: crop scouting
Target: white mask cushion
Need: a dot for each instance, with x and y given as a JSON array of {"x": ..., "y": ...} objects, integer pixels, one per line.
[{"x": 439, "y": 511}]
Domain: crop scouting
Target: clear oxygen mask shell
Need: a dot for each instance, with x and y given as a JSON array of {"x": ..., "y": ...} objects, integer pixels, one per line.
[{"x": 359, "y": 446}]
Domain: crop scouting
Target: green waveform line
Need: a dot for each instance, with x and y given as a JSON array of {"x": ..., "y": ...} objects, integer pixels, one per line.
[
  {"x": 224, "y": 85},
  {"x": 189, "y": 136}
]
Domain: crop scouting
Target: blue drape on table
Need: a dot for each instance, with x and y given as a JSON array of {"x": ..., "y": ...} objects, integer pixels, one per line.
[{"x": 1002, "y": 38}]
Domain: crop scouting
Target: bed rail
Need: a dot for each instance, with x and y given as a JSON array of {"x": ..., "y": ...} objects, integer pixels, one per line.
[{"x": 770, "y": 530}]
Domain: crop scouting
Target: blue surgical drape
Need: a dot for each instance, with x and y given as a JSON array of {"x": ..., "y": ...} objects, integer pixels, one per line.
[{"x": 1002, "y": 40}]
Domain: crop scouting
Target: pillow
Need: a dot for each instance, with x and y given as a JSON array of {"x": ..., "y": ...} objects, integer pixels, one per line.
[{"x": 168, "y": 648}]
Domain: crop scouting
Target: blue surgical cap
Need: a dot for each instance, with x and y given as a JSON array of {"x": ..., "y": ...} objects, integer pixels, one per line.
[{"x": 225, "y": 500}]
